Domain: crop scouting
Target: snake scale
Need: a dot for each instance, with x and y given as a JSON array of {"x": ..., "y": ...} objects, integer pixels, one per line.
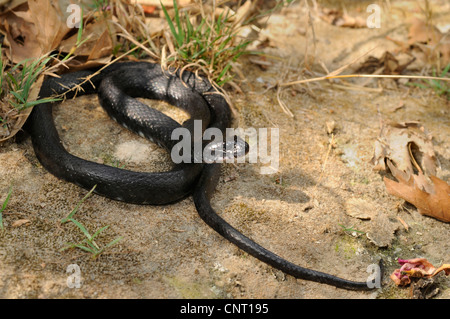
[{"x": 117, "y": 87}]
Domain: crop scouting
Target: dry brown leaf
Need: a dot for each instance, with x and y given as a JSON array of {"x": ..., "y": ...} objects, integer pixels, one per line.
[
  {"x": 33, "y": 29},
  {"x": 97, "y": 44},
  {"x": 406, "y": 144},
  {"x": 17, "y": 29},
  {"x": 430, "y": 198},
  {"x": 20, "y": 222},
  {"x": 429, "y": 40},
  {"x": 341, "y": 19},
  {"x": 51, "y": 28},
  {"x": 419, "y": 31},
  {"x": 382, "y": 230},
  {"x": 103, "y": 47},
  {"x": 387, "y": 64},
  {"x": 360, "y": 208},
  {"x": 38, "y": 27},
  {"x": 6, "y": 5},
  {"x": 426, "y": 43}
]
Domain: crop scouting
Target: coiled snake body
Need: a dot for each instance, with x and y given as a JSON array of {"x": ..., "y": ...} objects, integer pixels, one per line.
[{"x": 117, "y": 86}]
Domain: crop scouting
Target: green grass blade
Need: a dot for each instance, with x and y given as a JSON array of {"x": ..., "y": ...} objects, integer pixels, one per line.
[
  {"x": 199, "y": 53},
  {"x": 224, "y": 71},
  {"x": 18, "y": 96},
  {"x": 33, "y": 103},
  {"x": 85, "y": 248},
  {"x": 92, "y": 244},
  {"x": 189, "y": 28},
  {"x": 171, "y": 25},
  {"x": 68, "y": 246},
  {"x": 181, "y": 33},
  {"x": 69, "y": 217},
  {"x": 198, "y": 30},
  {"x": 445, "y": 71},
  {"x": 99, "y": 231},
  {"x": 115, "y": 241},
  {"x": 13, "y": 81},
  {"x": 1, "y": 72},
  {"x": 5, "y": 203},
  {"x": 80, "y": 29},
  {"x": 82, "y": 228},
  {"x": 100, "y": 251}
]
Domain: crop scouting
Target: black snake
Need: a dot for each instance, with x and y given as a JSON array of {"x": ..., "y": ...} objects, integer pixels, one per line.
[{"x": 117, "y": 86}]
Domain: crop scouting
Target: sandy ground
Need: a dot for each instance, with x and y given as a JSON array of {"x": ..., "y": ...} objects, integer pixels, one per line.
[{"x": 297, "y": 212}]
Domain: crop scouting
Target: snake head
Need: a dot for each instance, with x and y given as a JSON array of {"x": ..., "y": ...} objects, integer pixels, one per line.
[{"x": 217, "y": 152}]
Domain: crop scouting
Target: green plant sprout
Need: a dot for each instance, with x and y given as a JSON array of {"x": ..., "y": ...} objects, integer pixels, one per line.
[
  {"x": 350, "y": 229},
  {"x": 440, "y": 87},
  {"x": 80, "y": 41},
  {"x": 15, "y": 84},
  {"x": 5, "y": 203},
  {"x": 88, "y": 244},
  {"x": 215, "y": 44},
  {"x": 18, "y": 83}
]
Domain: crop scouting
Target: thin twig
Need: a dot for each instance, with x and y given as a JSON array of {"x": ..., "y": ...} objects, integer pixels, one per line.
[
  {"x": 89, "y": 77},
  {"x": 328, "y": 77}
]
